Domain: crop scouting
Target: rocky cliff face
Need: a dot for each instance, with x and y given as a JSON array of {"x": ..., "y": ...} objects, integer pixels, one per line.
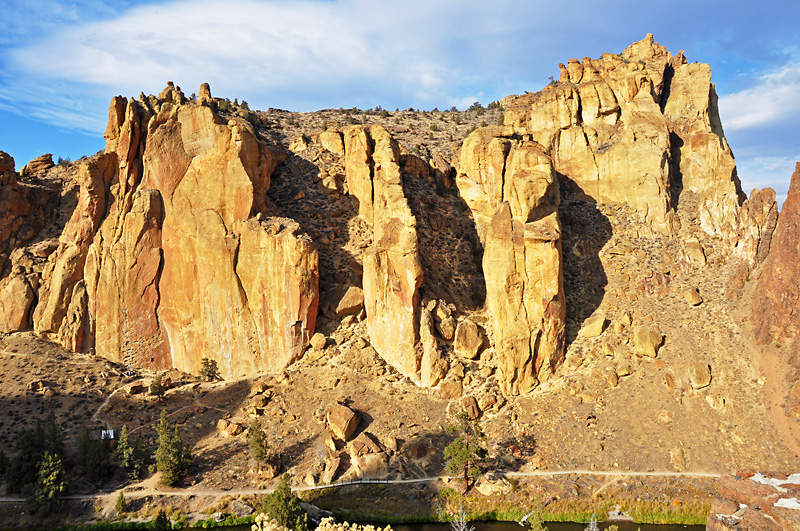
[
  {"x": 392, "y": 269},
  {"x": 640, "y": 128},
  {"x": 511, "y": 188},
  {"x": 776, "y": 312},
  {"x": 169, "y": 258},
  {"x": 174, "y": 244}
]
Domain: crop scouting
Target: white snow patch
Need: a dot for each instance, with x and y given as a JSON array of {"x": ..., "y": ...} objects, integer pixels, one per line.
[{"x": 788, "y": 503}]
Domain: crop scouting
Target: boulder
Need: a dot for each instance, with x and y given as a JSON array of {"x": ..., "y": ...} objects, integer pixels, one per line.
[
  {"x": 433, "y": 366},
  {"x": 447, "y": 328},
  {"x": 695, "y": 252},
  {"x": 318, "y": 341},
  {"x": 333, "y": 141},
  {"x": 362, "y": 445},
  {"x": 40, "y": 164},
  {"x": 342, "y": 421},
  {"x": 371, "y": 465},
  {"x": 351, "y": 303},
  {"x": 469, "y": 406},
  {"x": 16, "y": 299},
  {"x": 450, "y": 389},
  {"x": 593, "y": 326},
  {"x": 331, "y": 467},
  {"x": 468, "y": 339},
  {"x": 699, "y": 374},
  {"x": 647, "y": 341},
  {"x": 692, "y": 296}
]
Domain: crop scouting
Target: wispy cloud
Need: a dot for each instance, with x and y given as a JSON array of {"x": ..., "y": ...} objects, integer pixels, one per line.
[
  {"x": 773, "y": 98},
  {"x": 773, "y": 172}
]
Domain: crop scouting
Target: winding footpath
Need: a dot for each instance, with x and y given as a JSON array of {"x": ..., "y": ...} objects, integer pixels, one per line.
[{"x": 149, "y": 487}]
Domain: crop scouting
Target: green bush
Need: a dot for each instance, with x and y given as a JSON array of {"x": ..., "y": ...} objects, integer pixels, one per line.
[
  {"x": 121, "y": 505},
  {"x": 283, "y": 506},
  {"x": 209, "y": 370},
  {"x": 173, "y": 458}
]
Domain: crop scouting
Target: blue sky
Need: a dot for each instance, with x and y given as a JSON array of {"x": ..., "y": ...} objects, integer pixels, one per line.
[{"x": 61, "y": 62}]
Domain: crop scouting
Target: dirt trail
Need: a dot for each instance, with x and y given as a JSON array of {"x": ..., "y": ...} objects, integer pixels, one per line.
[{"x": 150, "y": 487}]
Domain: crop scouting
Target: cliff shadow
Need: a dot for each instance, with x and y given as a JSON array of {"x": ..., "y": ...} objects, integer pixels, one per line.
[
  {"x": 449, "y": 247},
  {"x": 585, "y": 230},
  {"x": 329, "y": 217}
]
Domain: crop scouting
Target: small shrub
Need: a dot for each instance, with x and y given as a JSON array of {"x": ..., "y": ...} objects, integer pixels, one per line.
[
  {"x": 435, "y": 127},
  {"x": 257, "y": 441},
  {"x": 209, "y": 370},
  {"x": 501, "y": 119},
  {"x": 121, "y": 505},
  {"x": 384, "y": 113},
  {"x": 157, "y": 388}
]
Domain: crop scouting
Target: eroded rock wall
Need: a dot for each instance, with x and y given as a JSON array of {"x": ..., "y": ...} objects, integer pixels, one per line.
[
  {"x": 512, "y": 190},
  {"x": 776, "y": 308},
  {"x": 392, "y": 268},
  {"x": 640, "y": 128},
  {"x": 183, "y": 266},
  {"x": 168, "y": 256}
]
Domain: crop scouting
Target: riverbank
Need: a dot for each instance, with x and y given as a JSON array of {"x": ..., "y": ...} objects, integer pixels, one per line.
[{"x": 568, "y": 497}]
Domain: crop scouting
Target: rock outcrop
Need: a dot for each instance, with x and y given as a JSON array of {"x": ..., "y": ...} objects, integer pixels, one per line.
[
  {"x": 776, "y": 308},
  {"x": 392, "y": 269},
  {"x": 511, "y": 188},
  {"x": 169, "y": 255},
  {"x": 640, "y": 128}
]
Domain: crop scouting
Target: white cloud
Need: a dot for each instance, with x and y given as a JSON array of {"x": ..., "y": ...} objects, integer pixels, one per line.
[
  {"x": 762, "y": 172},
  {"x": 773, "y": 98}
]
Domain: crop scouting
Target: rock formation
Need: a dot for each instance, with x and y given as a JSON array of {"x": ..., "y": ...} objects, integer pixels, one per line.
[
  {"x": 511, "y": 188},
  {"x": 392, "y": 269},
  {"x": 640, "y": 128},
  {"x": 776, "y": 309},
  {"x": 168, "y": 257}
]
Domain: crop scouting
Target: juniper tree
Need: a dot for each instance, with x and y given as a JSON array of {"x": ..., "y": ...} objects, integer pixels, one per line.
[
  {"x": 51, "y": 481},
  {"x": 257, "y": 441},
  {"x": 132, "y": 456},
  {"x": 121, "y": 505},
  {"x": 157, "y": 388},
  {"x": 173, "y": 458},
  {"x": 284, "y": 507},
  {"x": 209, "y": 370},
  {"x": 466, "y": 453}
]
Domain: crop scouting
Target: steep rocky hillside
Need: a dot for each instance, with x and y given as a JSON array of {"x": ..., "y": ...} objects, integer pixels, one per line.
[{"x": 577, "y": 266}]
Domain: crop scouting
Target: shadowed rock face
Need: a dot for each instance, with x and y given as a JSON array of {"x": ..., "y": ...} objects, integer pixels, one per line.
[
  {"x": 168, "y": 259},
  {"x": 776, "y": 310}
]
